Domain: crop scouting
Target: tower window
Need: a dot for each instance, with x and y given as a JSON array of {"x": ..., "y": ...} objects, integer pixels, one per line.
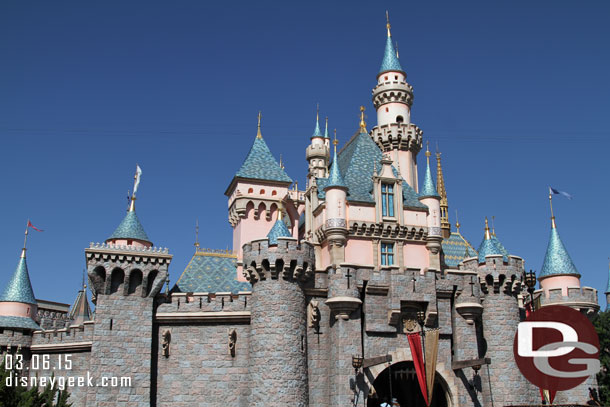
[
  {"x": 387, "y": 110},
  {"x": 262, "y": 192},
  {"x": 387, "y": 199},
  {"x": 387, "y": 254},
  {"x": 250, "y": 190},
  {"x": 396, "y": 77},
  {"x": 386, "y": 78},
  {"x": 274, "y": 193},
  {"x": 400, "y": 119}
]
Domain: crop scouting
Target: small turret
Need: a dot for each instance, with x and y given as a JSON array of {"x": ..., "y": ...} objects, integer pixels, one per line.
[
  {"x": 80, "y": 311},
  {"x": 318, "y": 152},
  {"x": 336, "y": 197},
  {"x": 429, "y": 197},
  {"x": 18, "y": 306}
]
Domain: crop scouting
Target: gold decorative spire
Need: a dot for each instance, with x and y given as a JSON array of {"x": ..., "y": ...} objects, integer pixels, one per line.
[
  {"x": 493, "y": 228},
  {"x": 281, "y": 162},
  {"x": 317, "y": 112},
  {"x": 362, "y": 122},
  {"x": 197, "y": 235},
  {"x": 258, "y": 130},
  {"x": 136, "y": 183},
  {"x": 396, "y": 46},
  {"x": 552, "y": 215},
  {"x": 440, "y": 188},
  {"x": 457, "y": 222},
  {"x": 428, "y": 153},
  {"x": 335, "y": 142},
  {"x": 388, "y": 26},
  {"x": 487, "y": 234}
]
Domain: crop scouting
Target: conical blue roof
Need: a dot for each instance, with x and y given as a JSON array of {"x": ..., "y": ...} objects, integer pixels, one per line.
[
  {"x": 279, "y": 229},
  {"x": 335, "y": 180},
  {"x": 557, "y": 261},
  {"x": 326, "y": 129},
  {"x": 19, "y": 289},
  {"x": 390, "y": 60},
  {"x": 499, "y": 245},
  {"x": 130, "y": 228},
  {"x": 491, "y": 246},
  {"x": 316, "y": 131},
  {"x": 260, "y": 164},
  {"x": 428, "y": 189}
]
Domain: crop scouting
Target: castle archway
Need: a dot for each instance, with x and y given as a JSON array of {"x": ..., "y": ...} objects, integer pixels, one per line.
[{"x": 405, "y": 388}]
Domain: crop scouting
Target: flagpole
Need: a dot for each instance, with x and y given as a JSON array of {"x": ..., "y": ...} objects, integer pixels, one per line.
[
  {"x": 25, "y": 239},
  {"x": 551, "y": 204}
]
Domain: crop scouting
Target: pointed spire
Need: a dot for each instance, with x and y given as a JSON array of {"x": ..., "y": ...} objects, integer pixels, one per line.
[
  {"x": 557, "y": 261},
  {"x": 362, "y": 122},
  {"x": 457, "y": 222},
  {"x": 487, "y": 234},
  {"x": 552, "y": 215},
  {"x": 279, "y": 228},
  {"x": 390, "y": 59},
  {"x": 19, "y": 288},
  {"x": 80, "y": 311},
  {"x": 316, "y": 131},
  {"x": 326, "y": 129},
  {"x": 197, "y": 235},
  {"x": 489, "y": 246},
  {"x": 493, "y": 228},
  {"x": 440, "y": 188},
  {"x": 130, "y": 227},
  {"x": 428, "y": 189},
  {"x": 335, "y": 180},
  {"x": 259, "y": 135}
]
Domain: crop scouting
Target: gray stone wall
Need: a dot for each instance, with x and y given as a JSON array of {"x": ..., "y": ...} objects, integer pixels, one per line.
[
  {"x": 122, "y": 340},
  {"x": 278, "y": 344},
  {"x": 199, "y": 370},
  {"x": 318, "y": 341}
]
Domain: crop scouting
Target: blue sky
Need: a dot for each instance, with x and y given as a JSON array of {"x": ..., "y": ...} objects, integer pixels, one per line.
[{"x": 514, "y": 93}]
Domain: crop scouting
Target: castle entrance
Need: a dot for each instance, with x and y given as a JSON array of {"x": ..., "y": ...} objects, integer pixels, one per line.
[{"x": 405, "y": 388}]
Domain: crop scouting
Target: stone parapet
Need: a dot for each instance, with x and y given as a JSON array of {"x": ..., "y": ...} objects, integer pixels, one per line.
[
  {"x": 288, "y": 259},
  {"x": 392, "y": 91},
  {"x": 73, "y": 334},
  {"x": 580, "y": 298},
  {"x": 205, "y": 302},
  {"x": 15, "y": 338},
  {"x": 398, "y": 136}
]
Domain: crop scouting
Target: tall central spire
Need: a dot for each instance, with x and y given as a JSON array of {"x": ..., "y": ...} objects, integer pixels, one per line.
[
  {"x": 440, "y": 187},
  {"x": 390, "y": 59}
]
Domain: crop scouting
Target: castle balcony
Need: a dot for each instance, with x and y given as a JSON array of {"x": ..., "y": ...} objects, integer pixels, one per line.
[
  {"x": 317, "y": 151},
  {"x": 402, "y": 136}
]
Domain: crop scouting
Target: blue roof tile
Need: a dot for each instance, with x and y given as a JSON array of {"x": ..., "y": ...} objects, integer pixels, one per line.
[
  {"x": 211, "y": 272},
  {"x": 316, "y": 130},
  {"x": 19, "y": 322},
  {"x": 260, "y": 164},
  {"x": 279, "y": 229},
  {"x": 130, "y": 228},
  {"x": 456, "y": 248},
  {"x": 492, "y": 246},
  {"x": 428, "y": 189},
  {"x": 335, "y": 180},
  {"x": 19, "y": 289},
  {"x": 557, "y": 261},
  {"x": 390, "y": 60}
]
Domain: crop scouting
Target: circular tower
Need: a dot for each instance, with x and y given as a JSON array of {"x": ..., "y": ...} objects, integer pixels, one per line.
[{"x": 277, "y": 268}]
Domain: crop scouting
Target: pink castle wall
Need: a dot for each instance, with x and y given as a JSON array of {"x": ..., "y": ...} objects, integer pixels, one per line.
[
  {"x": 416, "y": 256},
  {"x": 562, "y": 282},
  {"x": 18, "y": 309}
]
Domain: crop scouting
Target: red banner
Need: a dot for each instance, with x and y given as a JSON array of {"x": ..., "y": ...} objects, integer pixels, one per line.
[{"x": 418, "y": 361}]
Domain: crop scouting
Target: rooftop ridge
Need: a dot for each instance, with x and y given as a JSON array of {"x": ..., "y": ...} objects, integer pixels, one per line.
[{"x": 124, "y": 248}]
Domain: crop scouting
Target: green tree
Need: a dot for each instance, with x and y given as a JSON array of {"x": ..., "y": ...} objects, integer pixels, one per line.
[{"x": 602, "y": 326}]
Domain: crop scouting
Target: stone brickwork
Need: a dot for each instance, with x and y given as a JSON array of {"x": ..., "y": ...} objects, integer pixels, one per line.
[
  {"x": 199, "y": 369},
  {"x": 318, "y": 349},
  {"x": 122, "y": 340}
]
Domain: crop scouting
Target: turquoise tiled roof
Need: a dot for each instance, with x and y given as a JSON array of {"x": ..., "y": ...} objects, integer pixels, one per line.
[
  {"x": 326, "y": 129},
  {"x": 19, "y": 289},
  {"x": 456, "y": 248},
  {"x": 390, "y": 60},
  {"x": 489, "y": 247},
  {"x": 499, "y": 245},
  {"x": 557, "y": 261},
  {"x": 428, "y": 189},
  {"x": 18, "y": 322},
  {"x": 357, "y": 161},
  {"x": 130, "y": 228},
  {"x": 210, "y": 272},
  {"x": 260, "y": 164},
  {"x": 316, "y": 131},
  {"x": 335, "y": 180},
  {"x": 279, "y": 229}
]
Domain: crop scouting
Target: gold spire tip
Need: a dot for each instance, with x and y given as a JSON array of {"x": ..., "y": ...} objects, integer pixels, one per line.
[
  {"x": 457, "y": 222},
  {"x": 388, "y": 26},
  {"x": 258, "y": 131},
  {"x": 317, "y": 112},
  {"x": 335, "y": 142},
  {"x": 493, "y": 227},
  {"x": 362, "y": 122},
  {"x": 553, "y": 225},
  {"x": 428, "y": 153},
  {"x": 487, "y": 234}
]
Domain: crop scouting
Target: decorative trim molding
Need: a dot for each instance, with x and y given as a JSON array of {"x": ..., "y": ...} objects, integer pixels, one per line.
[{"x": 206, "y": 316}]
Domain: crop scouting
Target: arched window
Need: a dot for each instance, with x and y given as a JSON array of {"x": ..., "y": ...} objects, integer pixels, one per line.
[
  {"x": 400, "y": 119},
  {"x": 135, "y": 281},
  {"x": 250, "y": 190},
  {"x": 116, "y": 280}
]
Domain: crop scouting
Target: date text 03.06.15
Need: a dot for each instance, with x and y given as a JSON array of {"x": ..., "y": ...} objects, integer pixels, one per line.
[{"x": 38, "y": 362}]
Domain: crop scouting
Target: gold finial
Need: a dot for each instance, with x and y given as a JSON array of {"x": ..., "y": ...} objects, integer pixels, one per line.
[
  {"x": 388, "y": 26},
  {"x": 281, "y": 162},
  {"x": 258, "y": 130},
  {"x": 317, "y": 112},
  {"x": 487, "y": 234},
  {"x": 362, "y": 122},
  {"x": 197, "y": 235},
  {"x": 493, "y": 228},
  {"x": 552, "y": 215},
  {"x": 428, "y": 153},
  {"x": 457, "y": 222},
  {"x": 396, "y": 46},
  {"x": 335, "y": 142}
]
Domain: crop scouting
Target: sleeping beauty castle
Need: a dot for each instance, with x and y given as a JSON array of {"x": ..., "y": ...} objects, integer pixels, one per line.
[{"x": 349, "y": 292}]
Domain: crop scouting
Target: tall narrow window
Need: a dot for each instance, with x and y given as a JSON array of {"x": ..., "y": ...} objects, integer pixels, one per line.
[
  {"x": 387, "y": 199},
  {"x": 387, "y": 254}
]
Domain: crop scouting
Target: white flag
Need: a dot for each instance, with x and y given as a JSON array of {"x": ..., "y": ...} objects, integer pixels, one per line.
[{"x": 137, "y": 180}]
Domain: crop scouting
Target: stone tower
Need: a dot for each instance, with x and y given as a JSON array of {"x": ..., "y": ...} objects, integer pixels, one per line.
[
  {"x": 126, "y": 273},
  {"x": 500, "y": 275},
  {"x": 278, "y": 267},
  {"x": 393, "y": 98}
]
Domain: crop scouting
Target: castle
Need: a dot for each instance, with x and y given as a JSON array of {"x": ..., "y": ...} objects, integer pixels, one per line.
[{"x": 313, "y": 304}]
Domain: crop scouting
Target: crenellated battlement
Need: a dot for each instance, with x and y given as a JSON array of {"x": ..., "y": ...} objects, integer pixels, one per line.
[
  {"x": 580, "y": 298},
  {"x": 73, "y": 334},
  {"x": 317, "y": 151},
  {"x": 497, "y": 275},
  {"x": 402, "y": 136},
  {"x": 392, "y": 91},
  {"x": 206, "y": 302},
  {"x": 109, "y": 247},
  {"x": 289, "y": 258},
  {"x": 15, "y": 337}
]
